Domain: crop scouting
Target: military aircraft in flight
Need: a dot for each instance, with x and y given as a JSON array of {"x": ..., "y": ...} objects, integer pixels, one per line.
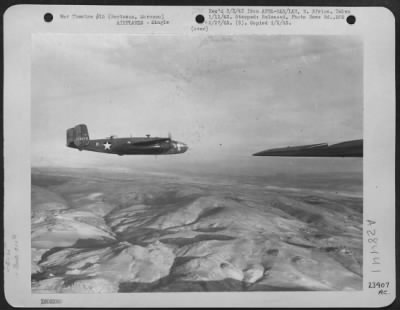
[
  {"x": 78, "y": 138},
  {"x": 353, "y": 148}
]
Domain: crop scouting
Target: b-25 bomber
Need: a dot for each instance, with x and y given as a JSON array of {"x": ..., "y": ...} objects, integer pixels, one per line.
[{"x": 78, "y": 138}]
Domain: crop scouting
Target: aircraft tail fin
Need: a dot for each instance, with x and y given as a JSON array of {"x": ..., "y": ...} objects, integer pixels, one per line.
[{"x": 78, "y": 136}]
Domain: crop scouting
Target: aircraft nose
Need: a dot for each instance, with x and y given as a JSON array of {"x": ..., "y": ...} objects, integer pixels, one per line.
[{"x": 182, "y": 147}]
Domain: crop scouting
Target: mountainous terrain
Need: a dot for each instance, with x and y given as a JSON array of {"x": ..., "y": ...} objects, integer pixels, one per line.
[{"x": 99, "y": 232}]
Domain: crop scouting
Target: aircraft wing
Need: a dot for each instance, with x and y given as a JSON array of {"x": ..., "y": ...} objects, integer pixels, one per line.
[
  {"x": 150, "y": 141},
  {"x": 352, "y": 148}
]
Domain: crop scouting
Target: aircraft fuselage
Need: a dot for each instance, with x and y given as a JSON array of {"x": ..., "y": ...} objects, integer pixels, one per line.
[{"x": 133, "y": 146}]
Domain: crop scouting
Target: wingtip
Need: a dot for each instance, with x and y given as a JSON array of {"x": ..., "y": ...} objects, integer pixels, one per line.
[{"x": 258, "y": 154}]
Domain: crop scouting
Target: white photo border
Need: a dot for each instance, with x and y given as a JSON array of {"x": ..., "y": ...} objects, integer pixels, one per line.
[{"x": 376, "y": 25}]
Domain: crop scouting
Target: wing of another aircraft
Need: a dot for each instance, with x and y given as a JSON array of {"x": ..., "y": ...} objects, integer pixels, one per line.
[{"x": 353, "y": 148}]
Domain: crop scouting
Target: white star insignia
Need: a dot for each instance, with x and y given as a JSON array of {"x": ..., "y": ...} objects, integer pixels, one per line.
[{"x": 107, "y": 146}]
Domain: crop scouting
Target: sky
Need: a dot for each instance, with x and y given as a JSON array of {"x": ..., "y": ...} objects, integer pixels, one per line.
[{"x": 227, "y": 97}]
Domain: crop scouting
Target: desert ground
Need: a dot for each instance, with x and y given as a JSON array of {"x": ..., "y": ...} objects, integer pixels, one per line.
[{"x": 102, "y": 232}]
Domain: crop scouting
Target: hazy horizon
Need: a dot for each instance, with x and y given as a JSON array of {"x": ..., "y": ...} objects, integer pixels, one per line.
[{"x": 227, "y": 97}]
